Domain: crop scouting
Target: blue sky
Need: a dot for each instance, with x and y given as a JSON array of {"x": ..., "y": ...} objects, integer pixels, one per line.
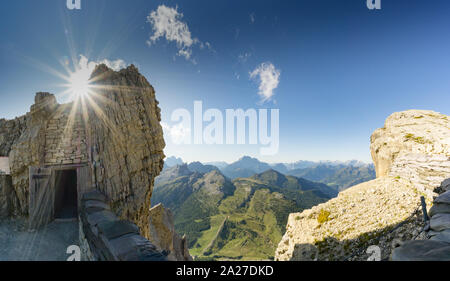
[{"x": 342, "y": 68}]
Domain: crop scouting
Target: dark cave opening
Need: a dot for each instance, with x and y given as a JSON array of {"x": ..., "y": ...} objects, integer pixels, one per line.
[{"x": 66, "y": 198}]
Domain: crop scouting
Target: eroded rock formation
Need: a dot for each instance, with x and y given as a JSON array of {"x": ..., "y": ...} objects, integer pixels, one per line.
[
  {"x": 126, "y": 140},
  {"x": 412, "y": 157},
  {"x": 413, "y": 144}
]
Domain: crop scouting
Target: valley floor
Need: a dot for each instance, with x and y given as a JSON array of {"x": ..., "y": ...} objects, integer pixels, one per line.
[{"x": 46, "y": 244}]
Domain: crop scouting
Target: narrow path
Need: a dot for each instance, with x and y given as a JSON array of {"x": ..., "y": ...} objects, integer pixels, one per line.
[{"x": 46, "y": 244}]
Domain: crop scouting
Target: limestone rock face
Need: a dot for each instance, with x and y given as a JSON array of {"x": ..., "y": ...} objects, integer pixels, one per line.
[
  {"x": 162, "y": 233},
  {"x": 411, "y": 157},
  {"x": 413, "y": 144},
  {"x": 10, "y": 131},
  {"x": 127, "y": 141}
]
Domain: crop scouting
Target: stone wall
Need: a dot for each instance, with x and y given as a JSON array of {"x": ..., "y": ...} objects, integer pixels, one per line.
[
  {"x": 53, "y": 134},
  {"x": 104, "y": 237},
  {"x": 65, "y": 137}
]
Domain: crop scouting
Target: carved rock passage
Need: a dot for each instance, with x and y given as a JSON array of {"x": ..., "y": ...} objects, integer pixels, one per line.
[
  {"x": 118, "y": 126},
  {"x": 115, "y": 131},
  {"x": 126, "y": 137}
]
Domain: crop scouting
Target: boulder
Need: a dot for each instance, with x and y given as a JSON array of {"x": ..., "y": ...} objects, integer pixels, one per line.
[
  {"x": 93, "y": 196},
  {"x": 422, "y": 250},
  {"x": 440, "y": 222},
  {"x": 134, "y": 248},
  {"x": 101, "y": 216},
  {"x": 438, "y": 208},
  {"x": 114, "y": 229},
  {"x": 443, "y": 236},
  {"x": 445, "y": 185},
  {"x": 444, "y": 198}
]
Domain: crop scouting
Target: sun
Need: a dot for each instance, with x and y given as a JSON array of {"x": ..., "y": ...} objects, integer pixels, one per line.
[{"x": 79, "y": 82}]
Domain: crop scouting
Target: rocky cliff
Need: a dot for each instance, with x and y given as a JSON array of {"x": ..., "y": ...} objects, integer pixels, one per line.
[
  {"x": 127, "y": 141},
  {"x": 411, "y": 154},
  {"x": 413, "y": 144},
  {"x": 115, "y": 131}
]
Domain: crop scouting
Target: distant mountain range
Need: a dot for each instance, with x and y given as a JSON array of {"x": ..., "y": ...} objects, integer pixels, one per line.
[
  {"x": 337, "y": 174},
  {"x": 242, "y": 218}
]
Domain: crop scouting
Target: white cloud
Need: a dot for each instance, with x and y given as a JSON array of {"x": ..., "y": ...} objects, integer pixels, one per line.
[
  {"x": 89, "y": 66},
  {"x": 167, "y": 23},
  {"x": 269, "y": 78},
  {"x": 252, "y": 17},
  {"x": 115, "y": 65},
  {"x": 177, "y": 132}
]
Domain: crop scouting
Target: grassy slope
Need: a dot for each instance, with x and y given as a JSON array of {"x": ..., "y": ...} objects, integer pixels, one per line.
[
  {"x": 244, "y": 219},
  {"x": 256, "y": 217}
]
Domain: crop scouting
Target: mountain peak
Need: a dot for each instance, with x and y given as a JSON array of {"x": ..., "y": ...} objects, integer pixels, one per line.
[
  {"x": 272, "y": 172},
  {"x": 271, "y": 176}
]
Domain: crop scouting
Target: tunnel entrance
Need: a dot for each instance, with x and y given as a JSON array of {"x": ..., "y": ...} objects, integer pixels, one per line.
[{"x": 66, "y": 198}]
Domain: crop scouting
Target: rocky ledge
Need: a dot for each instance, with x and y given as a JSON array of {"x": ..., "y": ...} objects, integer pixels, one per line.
[{"x": 411, "y": 154}]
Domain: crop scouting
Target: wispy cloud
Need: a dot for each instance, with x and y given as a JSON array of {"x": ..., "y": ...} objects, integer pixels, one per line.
[
  {"x": 167, "y": 23},
  {"x": 244, "y": 57},
  {"x": 269, "y": 78},
  {"x": 252, "y": 17}
]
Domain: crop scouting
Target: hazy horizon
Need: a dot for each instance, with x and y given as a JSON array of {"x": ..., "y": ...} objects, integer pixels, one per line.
[{"x": 276, "y": 162}]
